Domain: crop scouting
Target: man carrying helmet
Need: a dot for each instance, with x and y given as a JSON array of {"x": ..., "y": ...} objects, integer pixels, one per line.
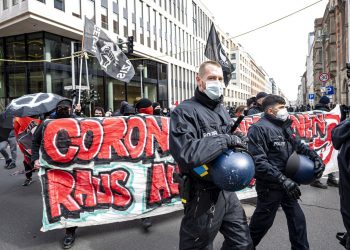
[
  {"x": 200, "y": 131},
  {"x": 272, "y": 142}
]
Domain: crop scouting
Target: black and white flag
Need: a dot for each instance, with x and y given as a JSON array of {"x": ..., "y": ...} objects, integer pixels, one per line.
[
  {"x": 111, "y": 58},
  {"x": 215, "y": 52}
]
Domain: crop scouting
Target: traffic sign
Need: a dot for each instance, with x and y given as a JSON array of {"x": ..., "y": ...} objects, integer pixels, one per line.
[
  {"x": 329, "y": 90},
  {"x": 311, "y": 96},
  {"x": 324, "y": 77}
]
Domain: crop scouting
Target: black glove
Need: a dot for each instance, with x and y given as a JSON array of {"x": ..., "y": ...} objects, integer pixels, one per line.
[
  {"x": 319, "y": 167},
  {"x": 234, "y": 141},
  {"x": 291, "y": 187}
]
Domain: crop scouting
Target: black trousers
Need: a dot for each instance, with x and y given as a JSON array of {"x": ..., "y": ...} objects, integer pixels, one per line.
[
  {"x": 344, "y": 191},
  {"x": 209, "y": 212},
  {"x": 265, "y": 212}
]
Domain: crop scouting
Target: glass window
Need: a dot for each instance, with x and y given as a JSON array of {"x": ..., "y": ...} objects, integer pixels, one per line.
[
  {"x": 59, "y": 4},
  {"x": 15, "y": 48},
  {"x": 43, "y": 1},
  {"x": 17, "y": 78},
  {"x": 14, "y": 2},
  {"x": 116, "y": 93},
  {"x": 76, "y": 8},
  {"x": 154, "y": 21},
  {"x": 5, "y": 4},
  {"x": 104, "y": 18},
  {"x": 150, "y": 91},
  {"x": 142, "y": 36},
  {"x": 116, "y": 23},
  {"x": 89, "y": 9},
  {"x": 35, "y": 46},
  {"x": 134, "y": 92},
  {"x": 36, "y": 79}
]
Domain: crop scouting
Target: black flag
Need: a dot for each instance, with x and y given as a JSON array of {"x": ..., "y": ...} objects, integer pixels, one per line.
[
  {"x": 215, "y": 52},
  {"x": 111, "y": 58}
]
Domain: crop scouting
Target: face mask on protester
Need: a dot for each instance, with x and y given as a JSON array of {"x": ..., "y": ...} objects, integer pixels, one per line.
[
  {"x": 213, "y": 89},
  {"x": 63, "y": 112},
  {"x": 157, "y": 112},
  {"x": 282, "y": 114}
]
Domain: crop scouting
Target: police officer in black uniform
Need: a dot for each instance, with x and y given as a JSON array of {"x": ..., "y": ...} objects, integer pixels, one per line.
[
  {"x": 200, "y": 130},
  {"x": 341, "y": 141},
  {"x": 272, "y": 142}
]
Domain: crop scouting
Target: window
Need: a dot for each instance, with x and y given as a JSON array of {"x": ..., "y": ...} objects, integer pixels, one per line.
[
  {"x": 160, "y": 33},
  {"x": 154, "y": 20},
  {"x": 194, "y": 7},
  {"x": 104, "y": 18},
  {"x": 76, "y": 8},
  {"x": 142, "y": 36},
  {"x": 59, "y": 4},
  {"x": 115, "y": 17},
  {"x": 43, "y": 1},
  {"x": 5, "y": 4},
  {"x": 148, "y": 26},
  {"x": 14, "y": 2},
  {"x": 89, "y": 9}
]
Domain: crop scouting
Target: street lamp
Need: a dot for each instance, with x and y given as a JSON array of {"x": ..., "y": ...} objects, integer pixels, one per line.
[{"x": 141, "y": 68}]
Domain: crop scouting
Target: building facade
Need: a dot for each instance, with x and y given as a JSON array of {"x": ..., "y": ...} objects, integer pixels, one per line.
[
  {"x": 330, "y": 51},
  {"x": 169, "y": 38},
  {"x": 310, "y": 68}
]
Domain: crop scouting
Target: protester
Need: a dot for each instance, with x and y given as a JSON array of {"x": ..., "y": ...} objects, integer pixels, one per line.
[
  {"x": 257, "y": 108},
  {"x": 63, "y": 110},
  {"x": 99, "y": 112},
  {"x": 144, "y": 106},
  {"x": 272, "y": 142},
  {"x": 199, "y": 132},
  {"x": 24, "y": 128},
  {"x": 11, "y": 141},
  {"x": 341, "y": 141},
  {"x": 157, "y": 109},
  {"x": 77, "y": 111},
  {"x": 239, "y": 111},
  {"x": 323, "y": 105},
  {"x": 250, "y": 103}
]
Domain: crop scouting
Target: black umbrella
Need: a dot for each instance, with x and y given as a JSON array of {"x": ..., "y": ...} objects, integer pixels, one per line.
[
  {"x": 6, "y": 125},
  {"x": 33, "y": 104}
]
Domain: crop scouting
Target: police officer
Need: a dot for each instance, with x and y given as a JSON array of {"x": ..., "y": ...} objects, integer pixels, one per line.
[
  {"x": 200, "y": 132},
  {"x": 272, "y": 142},
  {"x": 341, "y": 141}
]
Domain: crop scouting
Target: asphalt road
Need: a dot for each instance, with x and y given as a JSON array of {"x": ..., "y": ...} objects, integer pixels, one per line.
[{"x": 21, "y": 212}]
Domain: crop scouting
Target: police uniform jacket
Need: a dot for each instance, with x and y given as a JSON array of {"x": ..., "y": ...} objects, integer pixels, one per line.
[
  {"x": 272, "y": 142},
  {"x": 198, "y": 133}
]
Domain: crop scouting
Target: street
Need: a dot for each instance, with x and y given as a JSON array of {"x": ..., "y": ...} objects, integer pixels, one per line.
[{"x": 21, "y": 212}]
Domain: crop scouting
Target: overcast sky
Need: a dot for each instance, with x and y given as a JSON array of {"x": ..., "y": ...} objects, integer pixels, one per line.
[{"x": 280, "y": 48}]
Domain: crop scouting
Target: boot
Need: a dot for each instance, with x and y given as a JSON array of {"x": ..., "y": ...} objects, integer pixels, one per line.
[
  {"x": 69, "y": 238},
  {"x": 332, "y": 182},
  {"x": 318, "y": 184}
]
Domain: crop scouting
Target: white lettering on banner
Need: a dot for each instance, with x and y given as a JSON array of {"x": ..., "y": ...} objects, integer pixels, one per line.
[{"x": 95, "y": 37}]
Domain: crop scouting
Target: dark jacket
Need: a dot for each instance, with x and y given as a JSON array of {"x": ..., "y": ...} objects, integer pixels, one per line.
[
  {"x": 272, "y": 142},
  {"x": 321, "y": 107},
  {"x": 198, "y": 129},
  {"x": 255, "y": 110},
  {"x": 37, "y": 138},
  {"x": 341, "y": 141}
]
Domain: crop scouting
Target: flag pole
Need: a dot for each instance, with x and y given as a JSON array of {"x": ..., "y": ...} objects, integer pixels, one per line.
[
  {"x": 81, "y": 65},
  {"x": 87, "y": 78}
]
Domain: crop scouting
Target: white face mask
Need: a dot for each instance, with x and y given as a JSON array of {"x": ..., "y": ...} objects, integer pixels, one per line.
[
  {"x": 282, "y": 114},
  {"x": 213, "y": 89}
]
